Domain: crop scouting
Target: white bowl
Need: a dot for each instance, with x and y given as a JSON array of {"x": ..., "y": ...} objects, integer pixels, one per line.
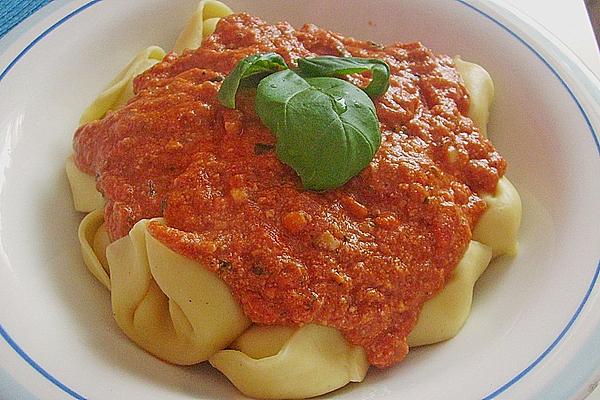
[{"x": 534, "y": 332}]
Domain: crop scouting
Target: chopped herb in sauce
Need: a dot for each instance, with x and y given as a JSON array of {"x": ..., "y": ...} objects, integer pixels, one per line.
[
  {"x": 224, "y": 265},
  {"x": 263, "y": 148}
]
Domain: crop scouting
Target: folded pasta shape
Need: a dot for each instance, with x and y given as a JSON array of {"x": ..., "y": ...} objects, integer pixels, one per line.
[
  {"x": 498, "y": 227},
  {"x": 480, "y": 86},
  {"x": 93, "y": 240},
  {"x": 443, "y": 316},
  {"x": 169, "y": 305},
  {"x": 495, "y": 234},
  {"x": 282, "y": 363},
  {"x": 201, "y": 24},
  {"x": 83, "y": 188},
  {"x": 183, "y": 313},
  {"x": 120, "y": 89}
]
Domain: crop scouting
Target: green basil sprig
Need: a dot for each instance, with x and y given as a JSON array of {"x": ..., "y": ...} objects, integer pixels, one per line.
[
  {"x": 258, "y": 64},
  {"x": 338, "y": 66},
  {"x": 326, "y": 128}
]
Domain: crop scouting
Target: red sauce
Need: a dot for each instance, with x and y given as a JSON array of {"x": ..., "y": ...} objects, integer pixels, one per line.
[{"x": 362, "y": 258}]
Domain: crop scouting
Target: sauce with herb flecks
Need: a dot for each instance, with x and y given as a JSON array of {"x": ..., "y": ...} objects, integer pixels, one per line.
[{"x": 362, "y": 258}]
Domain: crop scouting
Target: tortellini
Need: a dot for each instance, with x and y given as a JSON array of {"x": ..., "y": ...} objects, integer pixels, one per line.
[
  {"x": 182, "y": 318},
  {"x": 480, "y": 86},
  {"x": 120, "y": 89},
  {"x": 495, "y": 234},
  {"x": 442, "y": 317},
  {"x": 94, "y": 240},
  {"x": 183, "y": 313},
  {"x": 169, "y": 305},
  {"x": 498, "y": 227},
  {"x": 201, "y": 24},
  {"x": 283, "y": 363},
  {"x": 83, "y": 188}
]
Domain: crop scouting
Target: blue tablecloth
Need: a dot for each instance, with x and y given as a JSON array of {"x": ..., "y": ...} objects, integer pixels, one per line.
[{"x": 14, "y": 11}]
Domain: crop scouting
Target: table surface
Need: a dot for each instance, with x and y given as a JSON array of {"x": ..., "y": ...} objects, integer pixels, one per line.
[{"x": 567, "y": 20}]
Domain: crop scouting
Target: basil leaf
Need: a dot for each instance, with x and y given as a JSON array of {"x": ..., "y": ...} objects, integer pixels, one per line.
[
  {"x": 257, "y": 64},
  {"x": 338, "y": 66},
  {"x": 272, "y": 96},
  {"x": 326, "y": 128}
]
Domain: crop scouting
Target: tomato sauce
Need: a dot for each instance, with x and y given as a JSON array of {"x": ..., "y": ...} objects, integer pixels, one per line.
[{"x": 362, "y": 258}]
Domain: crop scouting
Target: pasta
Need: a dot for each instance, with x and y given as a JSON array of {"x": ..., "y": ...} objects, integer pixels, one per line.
[
  {"x": 499, "y": 225},
  {"x": 120, "y": 89},
  {"x": 282, "y": 363},
  {"x": 481, "y": 89},
  {"x": 201, "y": 24},
  {"x": 92, "y": 250},
  {"x": 442, "y": 317},
  {"x": 495, "y": 234},
  {"x": 181, "y": 312},
  {"x": 83, "y": 188},
  {"x": 167, "y": 304}
]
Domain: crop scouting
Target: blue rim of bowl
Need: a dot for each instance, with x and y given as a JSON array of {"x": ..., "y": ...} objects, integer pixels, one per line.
[{"x": 10, "y": 341}]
